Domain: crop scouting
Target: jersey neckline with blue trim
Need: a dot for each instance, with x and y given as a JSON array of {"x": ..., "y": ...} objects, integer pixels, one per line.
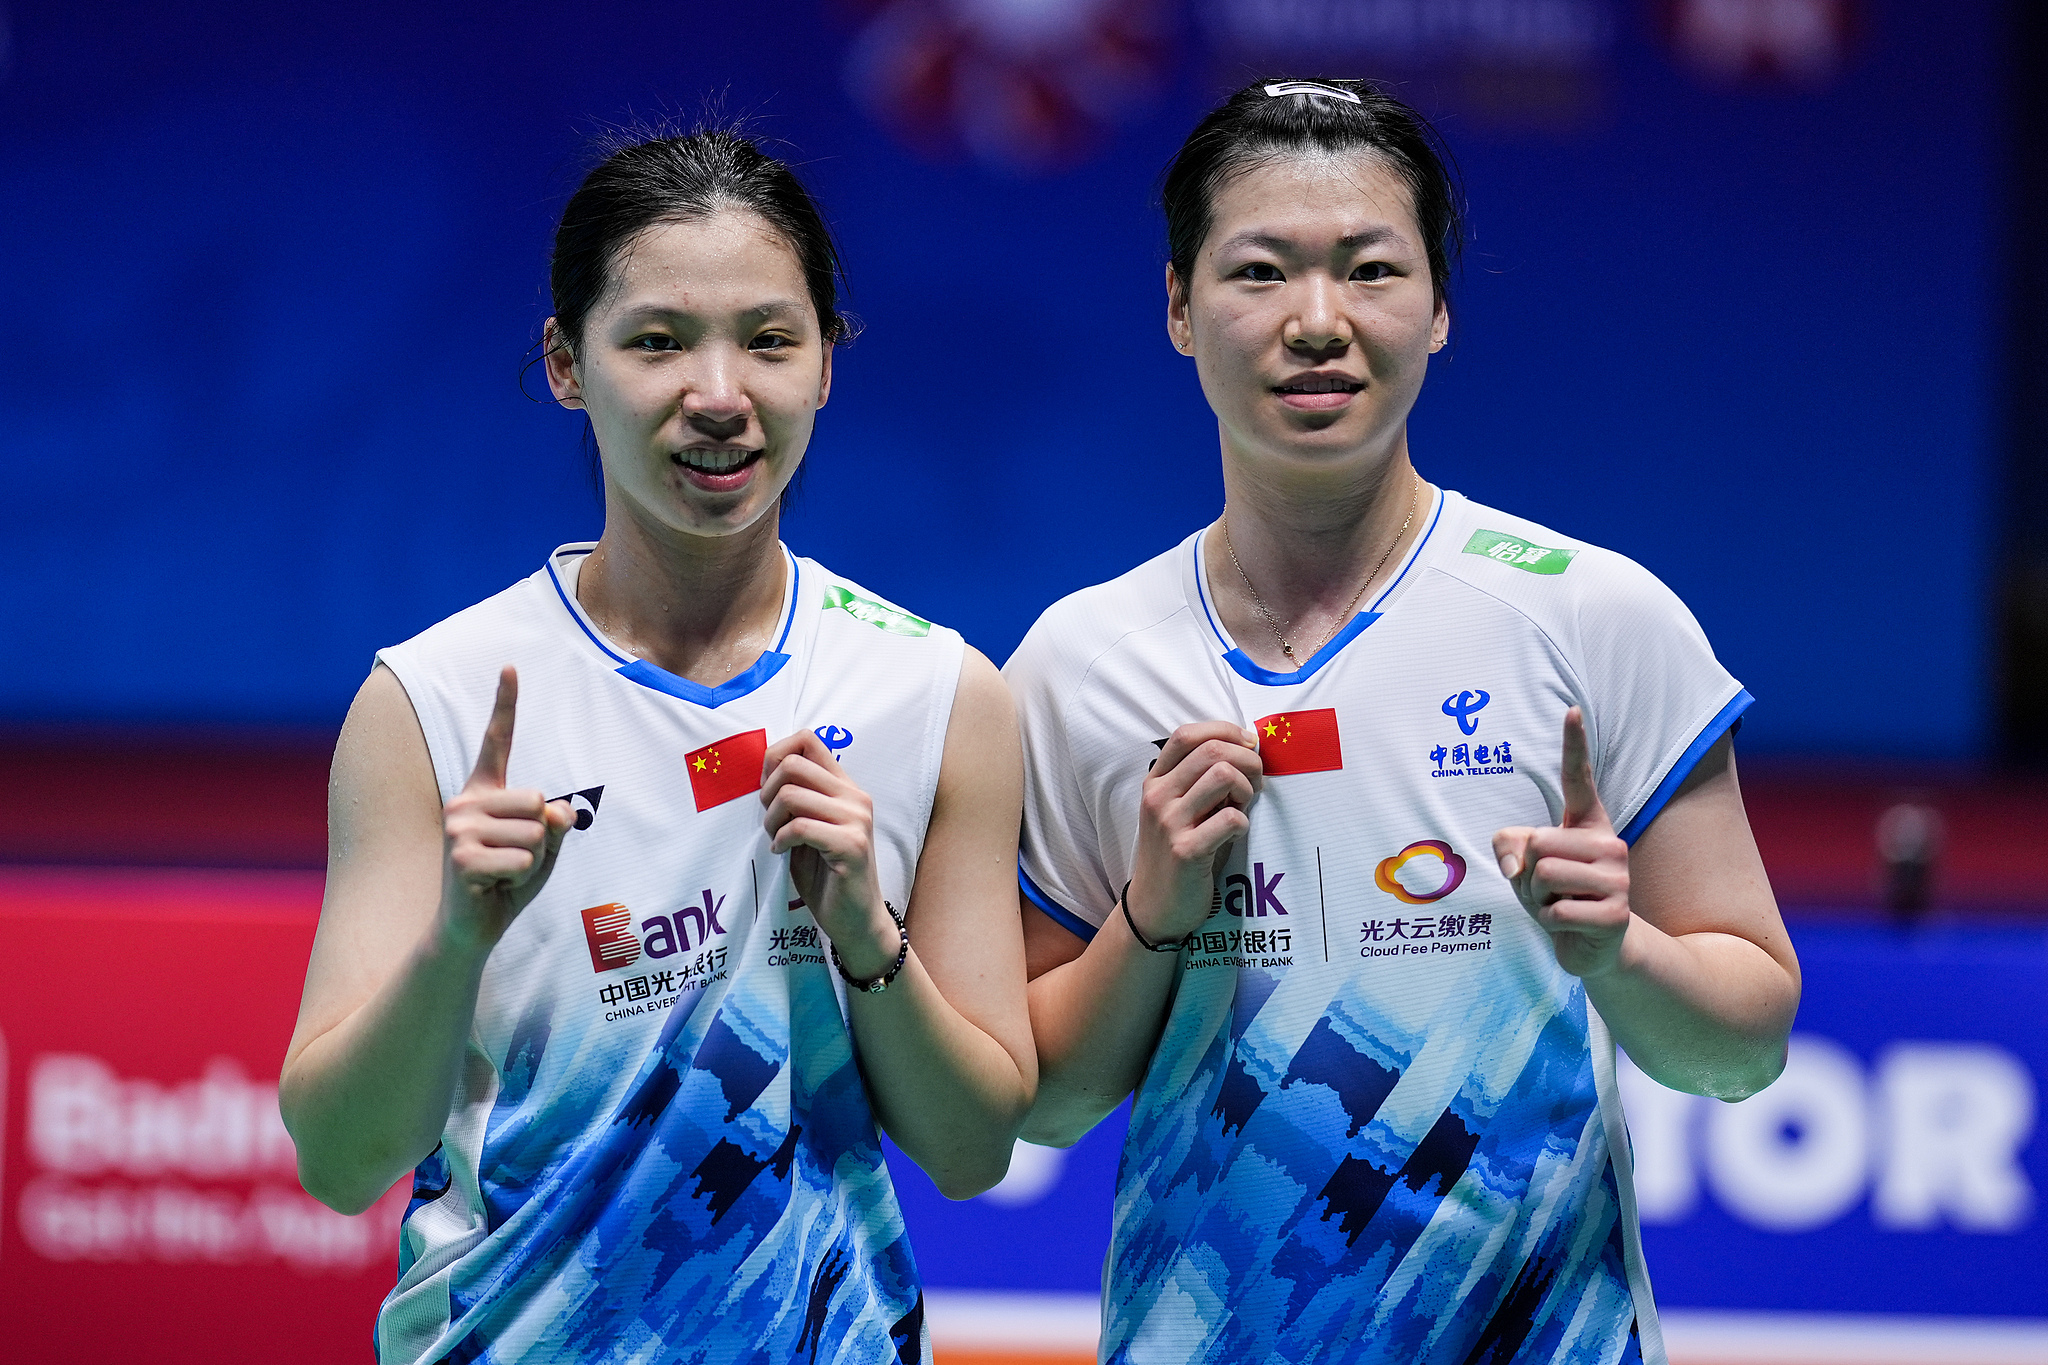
[
  {"x": 1200, "y": 596},
  {"x": 569, "y": 559}
]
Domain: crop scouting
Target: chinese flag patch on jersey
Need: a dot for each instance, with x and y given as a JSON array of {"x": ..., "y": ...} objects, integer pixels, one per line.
[
  {"x": 726, "y": 768},
  {"x": 1299, "y": 742}
]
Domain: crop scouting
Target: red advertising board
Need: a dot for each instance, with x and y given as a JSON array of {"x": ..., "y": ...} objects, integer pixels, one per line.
[{"x": 149, "y": 1208}]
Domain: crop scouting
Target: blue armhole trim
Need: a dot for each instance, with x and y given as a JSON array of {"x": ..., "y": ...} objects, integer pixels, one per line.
[
  {"x": 1687, "y": 761},
  {"x": 1054, "y": 911}
]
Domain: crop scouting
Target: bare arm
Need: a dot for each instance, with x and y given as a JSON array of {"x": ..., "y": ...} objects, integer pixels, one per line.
[
  {"x": 946, "y": 1048},
  {"x": 1097, "y": 1009},
  {"x": 416, "y": 899},
  {"x": 1679, "y": 940}
]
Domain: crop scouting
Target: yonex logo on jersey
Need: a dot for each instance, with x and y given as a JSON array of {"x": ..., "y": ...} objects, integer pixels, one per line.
[
  {"x": 727, "y": 769},
  {"x": 609, "y": 931},
  {"x": 1384, "y": 876},
  {"x": 1462, "y": 706},
  {"x": 584, "y": 803},
  {"x": 880, "y": 615},
  {"x": 1506, "y": 549}
]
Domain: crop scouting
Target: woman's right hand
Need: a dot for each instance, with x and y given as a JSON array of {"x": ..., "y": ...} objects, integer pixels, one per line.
[
  {"x": 501, "y": 841},
  {"x": 1192, "y": 808}
]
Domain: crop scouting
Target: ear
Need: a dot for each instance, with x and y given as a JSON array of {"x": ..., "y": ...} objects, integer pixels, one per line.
[
  {"x": 1440, "y": 327},
  {"x": 825, "y": 375},
  {"x": 1178, "y": 329},
  {"x": 563, "y": 381}
]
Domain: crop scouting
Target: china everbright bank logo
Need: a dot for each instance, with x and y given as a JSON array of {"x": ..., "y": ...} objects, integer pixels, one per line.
[
  {"x": 610, "y": 932},
  {"x": 1453, "y": 870}
]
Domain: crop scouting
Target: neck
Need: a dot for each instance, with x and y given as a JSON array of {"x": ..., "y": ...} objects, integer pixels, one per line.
[
  {"x": 1309, "y": 545},
  {"x": 701, "y": 607}
]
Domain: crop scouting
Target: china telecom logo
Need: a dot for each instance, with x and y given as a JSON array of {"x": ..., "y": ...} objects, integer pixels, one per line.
[
  {"x": 1454, "y": 872},
  {"x": 1462, "y": 706}
]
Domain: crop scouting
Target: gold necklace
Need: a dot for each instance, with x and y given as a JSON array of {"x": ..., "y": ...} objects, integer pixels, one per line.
[{"x": 1273, "y": 622}]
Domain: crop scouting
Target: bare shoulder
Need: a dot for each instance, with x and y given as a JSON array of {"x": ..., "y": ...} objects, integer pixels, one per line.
[
  {"x": 981, "y": 772},
  {"x": 381, "y": 764},
  {"x": 983, "y": 710},
  {"x": 383, "y": 854}
]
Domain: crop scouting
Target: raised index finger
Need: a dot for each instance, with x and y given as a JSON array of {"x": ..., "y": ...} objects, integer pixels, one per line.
[
  {"x": 496, "y": 750},
  {"x": 1582, "y": 808}
]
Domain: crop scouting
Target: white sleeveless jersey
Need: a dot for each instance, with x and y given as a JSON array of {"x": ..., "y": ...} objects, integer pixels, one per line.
[
  {"x": 661, "y": 1148},
  {"x": 1381, "y": 1122}
]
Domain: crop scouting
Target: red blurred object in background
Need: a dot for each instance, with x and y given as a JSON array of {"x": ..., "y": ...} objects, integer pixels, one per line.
[
  {"x": 1029, "y": 84},
  {"x": 1764, "y": 42}
]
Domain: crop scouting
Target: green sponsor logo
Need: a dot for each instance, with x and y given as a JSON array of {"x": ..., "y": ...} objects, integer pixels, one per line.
[
  {"x": 1520, "y": 553},
  {"x": 880, "y": 615}
]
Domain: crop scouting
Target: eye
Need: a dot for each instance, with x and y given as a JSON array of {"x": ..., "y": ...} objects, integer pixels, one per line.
[
  {"x": 1373, "y": 270},
  {"x": 653, "y": 341},
  {"x": 771, "y": 341},
  {"x": 1261, "y": 272}
]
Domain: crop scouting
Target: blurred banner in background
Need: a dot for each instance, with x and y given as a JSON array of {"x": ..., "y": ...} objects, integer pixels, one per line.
[{"x": 1736, "y": 304}]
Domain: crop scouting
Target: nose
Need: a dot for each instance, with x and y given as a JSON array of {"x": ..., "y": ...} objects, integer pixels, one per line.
[
  {"x": 713, "y": 400},
  {"x": 1318, "y": 326}
]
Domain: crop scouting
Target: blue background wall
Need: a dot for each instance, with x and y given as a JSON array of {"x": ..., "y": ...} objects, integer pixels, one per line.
[{"x": 269, "y": 274}]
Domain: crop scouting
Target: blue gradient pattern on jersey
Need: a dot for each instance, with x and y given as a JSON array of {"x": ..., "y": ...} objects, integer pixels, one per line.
[
  {"x": 1311, "y": 1178},
  {"x": 734, "y": 1208}
]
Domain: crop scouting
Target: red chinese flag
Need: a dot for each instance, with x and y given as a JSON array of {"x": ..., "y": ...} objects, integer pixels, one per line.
[
  {"x": 728, "y": 768},
  {"x": 1300, "y": 742}
]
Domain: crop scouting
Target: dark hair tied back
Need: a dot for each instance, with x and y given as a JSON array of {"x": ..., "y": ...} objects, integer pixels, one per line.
[
  {"x": 1253, "y": 128},
  {"x": 646, "y": 179}
]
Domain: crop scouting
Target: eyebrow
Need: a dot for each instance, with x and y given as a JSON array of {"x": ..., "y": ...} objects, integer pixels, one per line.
[
  {"x": 770, "y": 309},
  {"x": 1373, "y": 236}
]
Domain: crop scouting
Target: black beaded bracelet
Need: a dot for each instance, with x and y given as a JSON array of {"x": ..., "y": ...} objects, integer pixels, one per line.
[
  {"x": 876, "y": 985},
  {"x": 1173, "y": 946}
]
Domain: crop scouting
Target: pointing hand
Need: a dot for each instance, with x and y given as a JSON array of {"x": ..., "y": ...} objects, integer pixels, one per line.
[
  {"x": 501, "y": 841},
  {"x": 1573, "y": 878}
]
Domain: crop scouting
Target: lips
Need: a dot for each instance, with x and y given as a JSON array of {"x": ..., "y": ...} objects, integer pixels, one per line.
[
  {"x": 1318, "y": 392},
  {"x": 1320, "y": 383},
  {"x": 722, "y": 470}
]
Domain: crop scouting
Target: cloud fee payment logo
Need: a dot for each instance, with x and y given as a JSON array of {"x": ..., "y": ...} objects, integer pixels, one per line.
[
  {"x": 608, "y": 929},
  {"x": 1300, "y": 742},
  {"x": 726, "y": 769},
  {"x": 1453, "y": 865}
]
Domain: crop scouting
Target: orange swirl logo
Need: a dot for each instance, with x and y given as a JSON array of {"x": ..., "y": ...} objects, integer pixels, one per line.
[{"x": 1454, "y": 872}]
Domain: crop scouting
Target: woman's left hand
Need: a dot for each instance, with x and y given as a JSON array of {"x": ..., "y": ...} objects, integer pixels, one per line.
[
  {"x": 826, "y": 823},
  {"x": 1572, "y": 878}
]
